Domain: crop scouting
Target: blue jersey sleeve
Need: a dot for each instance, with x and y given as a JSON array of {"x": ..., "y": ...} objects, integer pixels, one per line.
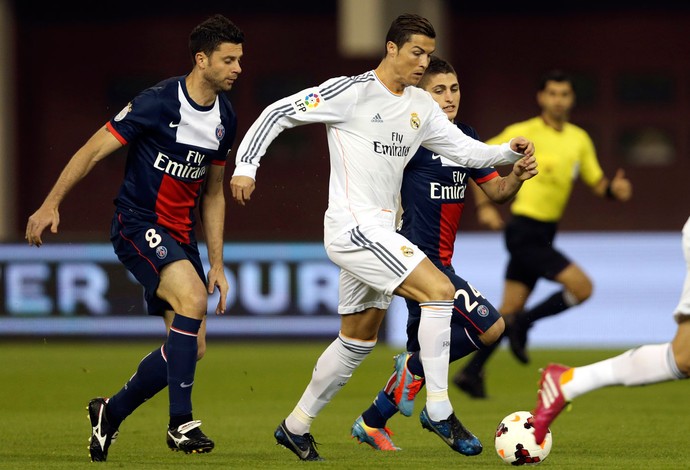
[{"x": 141, "y": 114}]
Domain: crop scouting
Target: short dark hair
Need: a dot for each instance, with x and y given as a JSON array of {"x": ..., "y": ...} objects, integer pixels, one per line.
[
  {"x": 207, "y": 36},
  {"x": 405, "y": 26},
  {"x": 436, "y": 66},
  {"x": 556, "y": 75}
]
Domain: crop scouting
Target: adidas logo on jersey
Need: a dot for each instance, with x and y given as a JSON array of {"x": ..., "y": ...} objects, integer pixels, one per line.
[{"x": 377, "y": 118}]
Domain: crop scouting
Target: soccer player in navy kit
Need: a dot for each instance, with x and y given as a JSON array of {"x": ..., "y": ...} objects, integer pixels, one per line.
[
  {"x": 433, "y": 200},
  {"x": 180, "y": 132}
]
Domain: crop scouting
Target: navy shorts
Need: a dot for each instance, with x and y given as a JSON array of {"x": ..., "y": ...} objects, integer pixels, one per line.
[
  {"x": 532, "y": 255},
  {"x": 471, "y": 310},
  {"x": 144, "y": 248}
]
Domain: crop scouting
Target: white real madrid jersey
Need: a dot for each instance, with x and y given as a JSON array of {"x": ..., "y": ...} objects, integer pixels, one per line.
[{"x": 372, "y": 134}]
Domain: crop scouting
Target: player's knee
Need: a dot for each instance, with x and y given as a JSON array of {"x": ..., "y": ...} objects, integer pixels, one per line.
[
  {"x": 577, "y": 285},
  {"x": 680, "y": 345},
  {"x": 582, "y": 297},
  {"x": 580, "y": 291},
  {"x": 585, "y": 293},
  {"x": 682, "y": 358},
  {"x": 508, "y": 311},
  {"x": 442, "y": 290},
  {"x": 195, "y": 303},
  {"x": 494, "y": 333},
  {"x": 511, "y": 307},
  {"x": 684, "y": 366}
]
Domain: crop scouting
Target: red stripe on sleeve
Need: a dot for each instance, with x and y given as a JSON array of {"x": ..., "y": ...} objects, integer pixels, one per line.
[
  {"x": 486, "y": 178},
  {"x": 117, "y": 135}
]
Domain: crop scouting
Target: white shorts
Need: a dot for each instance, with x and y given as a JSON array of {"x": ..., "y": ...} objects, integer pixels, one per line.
[
  {"x": 683, "y": 308},
  {"x": 373, "y": 262}
]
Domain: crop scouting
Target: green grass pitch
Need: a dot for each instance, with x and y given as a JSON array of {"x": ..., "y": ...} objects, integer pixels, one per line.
[{"x": 243, "y": 390}]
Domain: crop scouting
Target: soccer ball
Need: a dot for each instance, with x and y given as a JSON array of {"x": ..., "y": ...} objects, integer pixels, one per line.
[{"x": 515, "y": 442}]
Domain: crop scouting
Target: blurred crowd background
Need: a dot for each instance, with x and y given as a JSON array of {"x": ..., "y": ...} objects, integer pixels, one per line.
[{"x": 68, "y": 67}]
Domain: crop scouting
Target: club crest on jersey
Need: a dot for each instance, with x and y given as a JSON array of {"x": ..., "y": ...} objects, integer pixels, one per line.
[
  {"x": 483, "y": 311},
  {"x": 161, "y": 252},
  {"x": 407, "y": 251},
  {"x": 121, "y": 115},
  {"x": 415, "y": 122},
  {"x": 220, "y": 132}
]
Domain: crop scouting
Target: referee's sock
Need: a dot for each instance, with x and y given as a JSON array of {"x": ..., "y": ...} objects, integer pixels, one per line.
[{"x": 552, "y": 305}]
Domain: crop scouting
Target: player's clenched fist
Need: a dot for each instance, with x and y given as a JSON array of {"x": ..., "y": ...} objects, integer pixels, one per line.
[{"x": 522, "y": 145}]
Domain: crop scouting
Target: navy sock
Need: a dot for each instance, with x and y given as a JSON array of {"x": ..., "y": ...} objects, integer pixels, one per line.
[
  {"x": 476, "y": 364},
  {"x": 150, "y": 378},
  {"x": 551, "y": 306},
  {"x": 381, "y": 410},
  {"x": 176, "y": 421},
  {"x": 181, "y": 349},
  {"x": 414, "y": 364},
  {"x": 463, "y": 342}
]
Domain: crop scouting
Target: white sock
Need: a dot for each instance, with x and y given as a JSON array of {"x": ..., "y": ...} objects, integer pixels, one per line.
[
  {"x": 434, "y": 342},
  {"x": 647, "y": 364},
  {"x": 333, "y": 370}
]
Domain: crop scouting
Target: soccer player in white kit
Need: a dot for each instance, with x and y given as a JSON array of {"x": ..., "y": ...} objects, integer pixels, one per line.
[
  {"x": 647, "y": 364},
  {"x": 375, "y": 122}
]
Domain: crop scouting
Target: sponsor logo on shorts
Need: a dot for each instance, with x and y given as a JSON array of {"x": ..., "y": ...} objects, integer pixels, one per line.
[
  {"x": 407, "y": 251},
  {"x": 161, "y": 252},
  {"x": 483, "y": 311}
]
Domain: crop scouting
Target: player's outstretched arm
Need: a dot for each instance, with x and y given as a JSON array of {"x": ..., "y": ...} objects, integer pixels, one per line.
[
  {"x": 100, "y": 145},
  {"x": 503, "y": 189}
]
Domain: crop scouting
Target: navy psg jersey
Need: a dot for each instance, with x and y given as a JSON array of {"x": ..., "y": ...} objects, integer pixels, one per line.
[
  {"x": 173, "y": 141},
  {"x": 433, "y": 198}
]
